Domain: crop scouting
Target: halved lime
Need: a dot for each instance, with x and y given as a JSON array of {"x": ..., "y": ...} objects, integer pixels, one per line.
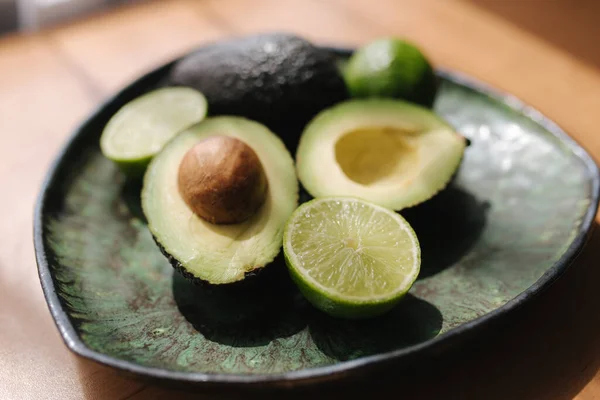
[
  {"x": 143, "y": 126},
  {"x": 351, "y": 258}
]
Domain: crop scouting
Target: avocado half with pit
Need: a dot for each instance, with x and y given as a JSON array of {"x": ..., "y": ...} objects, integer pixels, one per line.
[
  {"x": 219, "y": 253},
  {"x": 390, "y": 152}
]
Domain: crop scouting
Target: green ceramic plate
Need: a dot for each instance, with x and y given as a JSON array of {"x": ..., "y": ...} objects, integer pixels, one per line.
[{"x": 516, "y": 215}]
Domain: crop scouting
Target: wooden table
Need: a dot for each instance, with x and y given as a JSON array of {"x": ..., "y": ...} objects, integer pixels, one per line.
[{"x": 542, "y": 51}]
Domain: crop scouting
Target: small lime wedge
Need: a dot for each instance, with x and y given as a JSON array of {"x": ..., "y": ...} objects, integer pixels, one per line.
[
  {"x": 351, "y": 258},
  {"x": 143, "y": 126}
]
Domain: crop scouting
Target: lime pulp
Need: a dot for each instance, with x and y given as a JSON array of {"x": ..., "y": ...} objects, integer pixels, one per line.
[
  {"x": 351, "y": 258},
  {"x": 144, "y": 125}
]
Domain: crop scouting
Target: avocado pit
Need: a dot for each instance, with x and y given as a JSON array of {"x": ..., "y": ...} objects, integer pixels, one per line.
[{"x": 222, "y": 180}]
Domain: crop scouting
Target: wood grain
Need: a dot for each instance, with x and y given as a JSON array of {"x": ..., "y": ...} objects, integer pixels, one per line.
[
  {"x": 116, "y": 47},
  {"x": 41, "y": 101},
  {"x": 51, "y": 80}
]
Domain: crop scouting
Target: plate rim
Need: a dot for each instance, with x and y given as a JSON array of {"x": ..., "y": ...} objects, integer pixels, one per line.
[{"x": 329, "y": 372}]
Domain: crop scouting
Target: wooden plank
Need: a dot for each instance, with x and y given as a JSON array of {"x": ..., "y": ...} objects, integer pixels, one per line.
[
  {"x": 41, "y": 100},
  {"x": 118, "y": 46},
  {"x": 319, "y": 21},
  {"x": 569, "y": 25},
  {"x": 40, "y": 103}
]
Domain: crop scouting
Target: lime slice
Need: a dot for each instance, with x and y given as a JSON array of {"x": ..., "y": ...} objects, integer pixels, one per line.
[
  {"x": 143, "y": 126},
  {"x": 391, "y": 67},
  {"x": 351, "y": 258}
]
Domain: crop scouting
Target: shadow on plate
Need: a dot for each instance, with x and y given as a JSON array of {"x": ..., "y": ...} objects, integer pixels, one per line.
[
  {"x": 411, "y": 322},
  {"x": 251, "y": 313},
  {"x": 270, "y": 307},
  {"x": 131, "y": 195},
  {"x": 507, "y": 360},
  {"x": 447, "y": 226}
]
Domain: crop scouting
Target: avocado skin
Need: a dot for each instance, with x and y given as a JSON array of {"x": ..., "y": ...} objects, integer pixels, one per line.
[
  {"x": 278, "y": 79},
  {"x": 427, "y": 91},
  {"x": 248, "y": 276}
]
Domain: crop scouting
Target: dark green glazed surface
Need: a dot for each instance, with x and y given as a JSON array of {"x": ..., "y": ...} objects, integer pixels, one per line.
[{"x": 516, "y": 205}]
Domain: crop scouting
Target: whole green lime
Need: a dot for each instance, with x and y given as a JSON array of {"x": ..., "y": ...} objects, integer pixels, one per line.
[{"x": 391, "y": 67}]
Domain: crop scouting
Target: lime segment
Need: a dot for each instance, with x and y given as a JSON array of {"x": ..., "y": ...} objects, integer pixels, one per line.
[
  {"x": 143, "y": 126},
  {"x": 351, "y": 258}
]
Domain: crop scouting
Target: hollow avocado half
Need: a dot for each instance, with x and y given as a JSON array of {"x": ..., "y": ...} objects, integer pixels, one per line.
[
  {"x": 390, "y": 152},
  {"x": 219, "y": 254}
]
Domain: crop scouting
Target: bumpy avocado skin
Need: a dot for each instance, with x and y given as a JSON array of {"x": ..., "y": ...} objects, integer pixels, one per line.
[
  {"x": 280, "y": 80},
  {"x": 176, "y": 264}
]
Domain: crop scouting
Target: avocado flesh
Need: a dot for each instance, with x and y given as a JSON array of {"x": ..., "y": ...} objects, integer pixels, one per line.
[
  {"x": 280, "y": 80},
  {"x": 219, "y": 254},
  {"x": 393, "y": 153}
]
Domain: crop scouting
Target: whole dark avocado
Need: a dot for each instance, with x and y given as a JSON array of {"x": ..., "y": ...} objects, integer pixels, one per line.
[{"x": 278, "y": 79}]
